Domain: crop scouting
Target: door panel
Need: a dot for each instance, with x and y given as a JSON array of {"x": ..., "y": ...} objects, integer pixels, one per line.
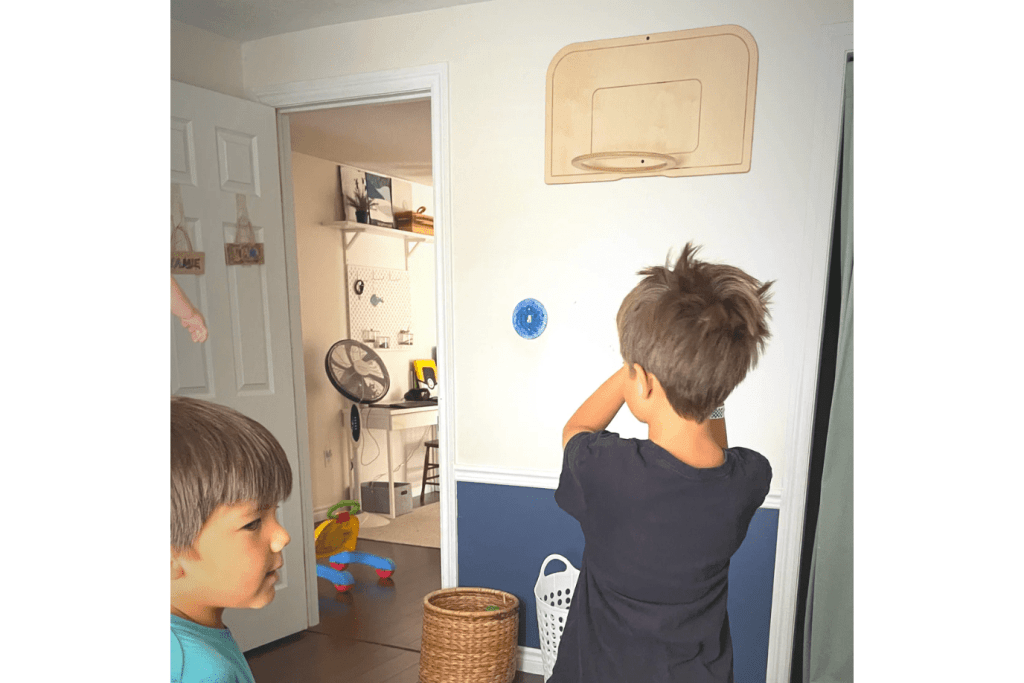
[{"x": 224, "y": 160}]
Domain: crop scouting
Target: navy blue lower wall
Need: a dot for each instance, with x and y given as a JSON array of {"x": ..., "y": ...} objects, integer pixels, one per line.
[{"x": 505, "y": 532}]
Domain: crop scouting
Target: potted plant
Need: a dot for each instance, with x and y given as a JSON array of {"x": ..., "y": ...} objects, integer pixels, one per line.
[{"x": 361, "y": 202}]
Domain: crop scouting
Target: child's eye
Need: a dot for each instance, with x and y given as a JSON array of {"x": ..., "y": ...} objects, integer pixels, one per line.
[{"x": 253, "y": 525}]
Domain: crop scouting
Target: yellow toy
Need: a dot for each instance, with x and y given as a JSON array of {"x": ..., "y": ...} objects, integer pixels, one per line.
[
  {"x": 336, "y": 541},
  {"x": 426, "y": 372}
]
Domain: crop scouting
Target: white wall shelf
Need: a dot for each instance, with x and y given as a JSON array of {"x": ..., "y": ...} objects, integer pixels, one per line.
[{"x": 352, "y": 230}]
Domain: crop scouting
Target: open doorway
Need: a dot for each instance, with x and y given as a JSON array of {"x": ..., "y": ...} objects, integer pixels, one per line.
[
  {"x": 374, "y": 614},
  {"x": 373, "y": 282},
  {"x": 379, "y": 618}
]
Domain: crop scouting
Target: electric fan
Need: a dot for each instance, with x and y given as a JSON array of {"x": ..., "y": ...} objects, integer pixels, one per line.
[{"x": 360, "y": 375}]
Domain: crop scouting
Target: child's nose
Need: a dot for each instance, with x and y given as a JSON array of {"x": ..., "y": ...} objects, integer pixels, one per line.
[{"x": 280, "y": 540}]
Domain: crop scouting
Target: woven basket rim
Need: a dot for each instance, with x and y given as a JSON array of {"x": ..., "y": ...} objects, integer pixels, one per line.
[{"x": 514, "y": 606}]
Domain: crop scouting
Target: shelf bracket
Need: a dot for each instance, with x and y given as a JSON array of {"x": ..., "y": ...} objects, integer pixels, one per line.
[
  {"x": 349, "y": 241},
  {"x": 410, "y": 246}
]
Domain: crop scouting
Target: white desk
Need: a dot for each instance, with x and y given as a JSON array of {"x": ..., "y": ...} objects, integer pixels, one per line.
[{"x": 394, "y": 420}]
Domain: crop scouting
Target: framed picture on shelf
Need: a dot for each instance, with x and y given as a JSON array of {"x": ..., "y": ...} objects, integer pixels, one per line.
[
  {"x": 353, "y": 185},
  {"x": 401, "y": 197},
  {"x": 379, "y": 189}
]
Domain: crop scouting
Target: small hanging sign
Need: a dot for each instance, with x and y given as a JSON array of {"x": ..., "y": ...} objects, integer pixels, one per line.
[
  {"x": 244, "y": 251},
  {"x": 187, "y": 261}
]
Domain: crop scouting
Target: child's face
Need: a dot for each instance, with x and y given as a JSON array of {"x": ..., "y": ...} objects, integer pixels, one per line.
[{"x": 236, "y": 558}]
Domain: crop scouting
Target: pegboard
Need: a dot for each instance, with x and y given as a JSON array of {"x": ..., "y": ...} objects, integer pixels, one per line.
[{"x": 384, "y": 305}]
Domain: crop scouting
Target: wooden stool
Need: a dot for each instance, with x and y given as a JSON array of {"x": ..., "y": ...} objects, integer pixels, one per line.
[{"x": 430, "y": 469}]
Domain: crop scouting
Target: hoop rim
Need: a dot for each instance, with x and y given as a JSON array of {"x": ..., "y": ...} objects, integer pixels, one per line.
[{"x": 584, "y": 162}]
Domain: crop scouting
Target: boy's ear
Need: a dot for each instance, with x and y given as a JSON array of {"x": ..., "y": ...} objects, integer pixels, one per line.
[
  {"x": 177, "y": 570},
  {"x": 645, "y": 381}
]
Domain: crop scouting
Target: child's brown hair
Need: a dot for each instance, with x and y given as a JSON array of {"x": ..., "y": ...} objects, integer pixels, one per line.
[
  {"x": 697, "y": 327},
  {"x": 219, "y": 457}
]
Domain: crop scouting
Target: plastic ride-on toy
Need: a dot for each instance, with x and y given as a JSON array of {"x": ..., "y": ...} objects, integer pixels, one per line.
[{"x": 336, "y": 542}]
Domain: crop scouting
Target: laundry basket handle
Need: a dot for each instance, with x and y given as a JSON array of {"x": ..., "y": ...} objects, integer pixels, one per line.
[{"x": 568, "y": 565}]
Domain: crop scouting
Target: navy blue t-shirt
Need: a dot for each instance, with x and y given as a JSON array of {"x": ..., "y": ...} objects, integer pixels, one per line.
[{"x": 650, "y": 603}]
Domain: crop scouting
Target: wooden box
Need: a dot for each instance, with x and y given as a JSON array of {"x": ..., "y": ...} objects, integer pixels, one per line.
[{"x": 415, "y": 221}]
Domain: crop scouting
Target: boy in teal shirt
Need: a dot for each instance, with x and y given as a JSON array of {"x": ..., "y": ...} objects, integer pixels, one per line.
[{"x": 228, "y": 474}]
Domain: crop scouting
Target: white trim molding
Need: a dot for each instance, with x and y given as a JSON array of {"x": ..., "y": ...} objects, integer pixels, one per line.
[
  {"x": 836, "y": 44},
  {"x": 305, "y": 481},
  {"x": 544, "y": 479},
  {"x": 394, "y": 86},
  {"x": 482, "y": 474},
  {"x": 379, "y": 86},
  {"x": 530, "y": 660},
  {"x": 320, "y": 513}
]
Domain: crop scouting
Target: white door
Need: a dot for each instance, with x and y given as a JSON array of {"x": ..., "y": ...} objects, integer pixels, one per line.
[{"x": 224, "y": 148}]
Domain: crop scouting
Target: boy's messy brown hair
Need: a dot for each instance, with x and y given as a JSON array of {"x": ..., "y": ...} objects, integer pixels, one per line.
[
  {"x": 219, "y": 457},
  {"x": 697, "y": 327}
]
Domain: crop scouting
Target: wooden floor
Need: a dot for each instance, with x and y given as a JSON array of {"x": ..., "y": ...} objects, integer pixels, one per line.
[{"x": 369, "y": 634}]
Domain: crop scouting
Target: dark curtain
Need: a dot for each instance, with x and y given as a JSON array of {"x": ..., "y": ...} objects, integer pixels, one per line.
[{"x": 823, "y": 643}]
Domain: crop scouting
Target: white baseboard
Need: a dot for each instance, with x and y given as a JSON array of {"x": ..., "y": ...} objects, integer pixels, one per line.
[
  {"x": 530, "y": 661},
  {"x": 320, "y": 513}
]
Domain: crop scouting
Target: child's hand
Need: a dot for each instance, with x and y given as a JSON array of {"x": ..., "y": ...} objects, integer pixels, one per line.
[
  {"x": 195, "y": 325},
  {"x": 187, "y": 313}
]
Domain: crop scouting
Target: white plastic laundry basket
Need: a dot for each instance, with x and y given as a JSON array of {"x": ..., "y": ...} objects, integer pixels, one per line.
[{"x": 553, "y": 592}]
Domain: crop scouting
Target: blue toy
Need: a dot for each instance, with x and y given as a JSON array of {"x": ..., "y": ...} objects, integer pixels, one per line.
[{"x": 336, "y": 541}]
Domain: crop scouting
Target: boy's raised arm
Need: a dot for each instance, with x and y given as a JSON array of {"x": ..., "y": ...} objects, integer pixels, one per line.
[{"x": 598, "y": 410}]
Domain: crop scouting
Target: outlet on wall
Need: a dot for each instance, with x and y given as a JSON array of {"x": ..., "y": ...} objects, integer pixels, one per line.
[{"x": 327, "y": 457}]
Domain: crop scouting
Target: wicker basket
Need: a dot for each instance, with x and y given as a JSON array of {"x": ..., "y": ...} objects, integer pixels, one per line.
[
  {"x": 415, "y": 221},
  {"x": 464, "y": 641}
]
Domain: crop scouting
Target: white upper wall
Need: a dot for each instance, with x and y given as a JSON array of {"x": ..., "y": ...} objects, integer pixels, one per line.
[
  {"x": 577, "y": 248},
  {"x": 206, "y": 60}
]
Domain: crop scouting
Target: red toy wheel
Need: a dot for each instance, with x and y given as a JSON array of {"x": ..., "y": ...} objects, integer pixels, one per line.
[
  {"x": 338, "y": 565},
  {"x": 385, "y": 573}
]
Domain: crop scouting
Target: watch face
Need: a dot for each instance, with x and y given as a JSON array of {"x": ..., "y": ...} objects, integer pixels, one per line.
[{"x": 529, "y": 318}]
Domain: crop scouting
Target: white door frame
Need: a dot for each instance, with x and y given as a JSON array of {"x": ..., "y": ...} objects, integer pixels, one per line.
[
  {"x": 836, "y": 44},
  {"x": 375, "y": 88}
]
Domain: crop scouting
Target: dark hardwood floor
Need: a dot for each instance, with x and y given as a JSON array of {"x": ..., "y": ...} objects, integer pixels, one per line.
[{"x": 369, "y": 634}]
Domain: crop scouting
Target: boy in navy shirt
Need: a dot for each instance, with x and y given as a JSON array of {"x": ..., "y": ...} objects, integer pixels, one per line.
[
  {"x": 228, "y": 474},
  {"x": 663, "y": 516}
]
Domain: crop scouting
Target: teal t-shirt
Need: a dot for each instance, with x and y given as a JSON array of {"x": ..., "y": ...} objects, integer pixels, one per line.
[{"x": 200, "y": 654}]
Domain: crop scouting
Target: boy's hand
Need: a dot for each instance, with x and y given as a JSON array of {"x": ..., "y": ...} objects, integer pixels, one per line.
[{"x": 597, "y": 411}]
